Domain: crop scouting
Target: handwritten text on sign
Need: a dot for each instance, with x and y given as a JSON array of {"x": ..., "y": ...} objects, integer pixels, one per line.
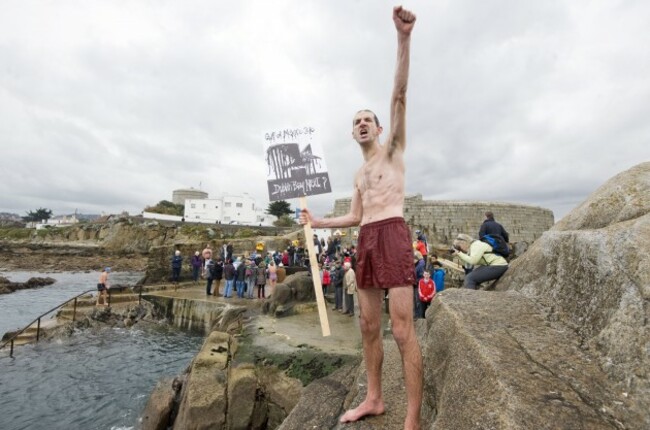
[
  {"x": 296, "y": 167},
  {"x": 310, "y": 185}
]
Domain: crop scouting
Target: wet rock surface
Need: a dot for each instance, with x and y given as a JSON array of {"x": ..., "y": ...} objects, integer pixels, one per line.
[{"x": 6, "y": 286}]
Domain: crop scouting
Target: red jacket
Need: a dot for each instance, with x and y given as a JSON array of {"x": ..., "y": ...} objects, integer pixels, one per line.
[
  {"x": 426, "y": 290},
  {"x": 326, "y": 277}
]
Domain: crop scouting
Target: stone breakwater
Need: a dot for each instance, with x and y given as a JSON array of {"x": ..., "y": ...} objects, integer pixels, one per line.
[{"x": 442, "y": 220}]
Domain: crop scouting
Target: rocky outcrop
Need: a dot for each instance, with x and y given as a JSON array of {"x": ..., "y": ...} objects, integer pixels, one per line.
[
  {"x": 592, "y": 272},
  {"x": 6, "y": 286},
  {"x": 321, "y": 403},
  {"x": 157, "y": 413},
  {"x": 493, "y": 361},
  {"x": 296, "y": 288},
  {"x": 125, "y": 244},
  {"x": 218, "y": 394}
]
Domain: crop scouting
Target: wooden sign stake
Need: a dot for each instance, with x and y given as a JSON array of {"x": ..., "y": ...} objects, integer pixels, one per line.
[{"x": 315, "y": 275}]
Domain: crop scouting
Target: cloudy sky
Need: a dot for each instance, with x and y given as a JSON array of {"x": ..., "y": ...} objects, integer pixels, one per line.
[{"x": 110, "y": 105}]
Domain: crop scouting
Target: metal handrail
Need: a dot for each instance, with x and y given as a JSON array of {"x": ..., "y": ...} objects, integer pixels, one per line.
[{"x": 38, "y": 321}]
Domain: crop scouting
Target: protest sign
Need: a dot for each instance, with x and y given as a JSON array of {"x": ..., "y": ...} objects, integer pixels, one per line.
[
  {"x": 296, "y": 169},
  {"x": 295, "y": 164}
]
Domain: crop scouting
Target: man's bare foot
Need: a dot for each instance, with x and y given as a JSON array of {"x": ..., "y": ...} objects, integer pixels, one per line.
[{"x": 365, "y": 408}]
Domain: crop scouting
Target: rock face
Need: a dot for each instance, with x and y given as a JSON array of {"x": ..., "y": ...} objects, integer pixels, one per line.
[
  {"x": 493, "y": 361},
  {"x": 218, "y": 395},
  {"x": 157, "y": 412},
  {"x": 592, "y": 272},
  {"x": 126, "y": 244}
]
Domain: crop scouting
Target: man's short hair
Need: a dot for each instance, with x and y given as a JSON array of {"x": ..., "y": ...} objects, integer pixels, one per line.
[
  {"x": 489, "y": 215},
  {"x": 373, "y": 114}
]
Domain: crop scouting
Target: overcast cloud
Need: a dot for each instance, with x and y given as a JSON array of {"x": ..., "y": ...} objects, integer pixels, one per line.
[{"x": 110, "y": 105}]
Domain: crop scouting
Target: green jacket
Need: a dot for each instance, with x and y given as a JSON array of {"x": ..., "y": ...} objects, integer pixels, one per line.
[{"x": 480, "y": 254}]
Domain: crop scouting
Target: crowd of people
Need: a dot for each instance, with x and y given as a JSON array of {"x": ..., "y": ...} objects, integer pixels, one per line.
[{"x": 247, "y": 276}]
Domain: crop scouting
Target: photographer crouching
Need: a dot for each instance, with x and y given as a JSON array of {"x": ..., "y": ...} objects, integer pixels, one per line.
[{"x": 487, "y": 264}]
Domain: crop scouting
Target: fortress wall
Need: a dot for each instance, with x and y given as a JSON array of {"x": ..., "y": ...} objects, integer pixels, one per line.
[{"x": 442, "y": 220}]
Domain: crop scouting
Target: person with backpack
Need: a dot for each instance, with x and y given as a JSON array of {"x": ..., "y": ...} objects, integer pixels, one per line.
[
  {"x": 426, "y": 292},
  {"x": 490, "y": 226},
  {"x": 488, "y": 265}
]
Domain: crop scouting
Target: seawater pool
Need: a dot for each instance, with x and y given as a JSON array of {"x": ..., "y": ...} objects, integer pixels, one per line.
[{"x": 95, "y": 379}]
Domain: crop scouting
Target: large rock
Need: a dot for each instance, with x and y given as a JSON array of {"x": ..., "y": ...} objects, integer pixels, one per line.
[
  {"x": 321, "y": 403},
  {"x": 296, "y": 288},
  {"x": 592, "y": 272},
  {"x": 204, "y": 399},
  {"x": 218, "y": 394},
  {"x": 242, "y": 391},
  {"x": 156, "y": 415},
  {"x": 6, "y": 286},
  {"x": 281, "y": 393},
  {"x": 493, "y": 361}
]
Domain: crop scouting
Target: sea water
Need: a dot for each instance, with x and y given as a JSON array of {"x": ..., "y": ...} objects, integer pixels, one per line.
[{"x": 95, "y": 379}]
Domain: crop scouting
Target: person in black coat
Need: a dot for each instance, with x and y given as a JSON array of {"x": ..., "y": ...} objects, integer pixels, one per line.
[{"x": 490, "y": 226}]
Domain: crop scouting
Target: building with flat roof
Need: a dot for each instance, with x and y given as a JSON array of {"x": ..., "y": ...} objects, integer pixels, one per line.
[{"x": 229, "y": 209}]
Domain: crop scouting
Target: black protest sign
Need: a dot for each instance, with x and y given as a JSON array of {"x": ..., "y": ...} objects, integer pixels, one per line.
[{"x": 296, "y": 167}]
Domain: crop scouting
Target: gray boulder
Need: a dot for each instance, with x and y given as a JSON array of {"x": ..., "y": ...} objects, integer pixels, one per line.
[
  {"x": 204, "y": 398},
  {"x": 591, "y": 271},
  {"x": 296, "y": 288},
  {"x": 156, "y": 415}
]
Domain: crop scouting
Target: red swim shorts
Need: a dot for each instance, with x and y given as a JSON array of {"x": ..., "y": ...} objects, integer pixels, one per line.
[{"x": 385, "y": 255}]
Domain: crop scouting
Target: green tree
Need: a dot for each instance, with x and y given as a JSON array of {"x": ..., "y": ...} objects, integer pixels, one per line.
[
  {"x": 166, "y": 207},
  {"x": 279, "y": 208},
  {"x": 38, "y": 215}
]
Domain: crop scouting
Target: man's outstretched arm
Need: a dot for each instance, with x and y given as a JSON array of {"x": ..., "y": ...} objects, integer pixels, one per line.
[
  {"x": 351, "y": 219},
  {"x": 404, "y": 22}
]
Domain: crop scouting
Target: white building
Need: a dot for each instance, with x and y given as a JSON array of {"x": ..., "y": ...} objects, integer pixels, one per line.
[
  {"x": 229, "y": 209},
  {"x": 56, "y": 221}
]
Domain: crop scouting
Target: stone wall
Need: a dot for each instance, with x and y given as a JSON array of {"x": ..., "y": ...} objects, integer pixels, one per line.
[{"x": 442, "y": 220}]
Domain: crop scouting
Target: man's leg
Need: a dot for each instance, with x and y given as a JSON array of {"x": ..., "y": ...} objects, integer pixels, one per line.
[
  {"x": 373, "y": 353},
  {"x": 401, "y": 315}
]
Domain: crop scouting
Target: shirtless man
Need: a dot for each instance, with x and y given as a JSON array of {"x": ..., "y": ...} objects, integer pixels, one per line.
[
  {"x": 103, "y": 286},
  {"x": 384, "y": 251}
]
